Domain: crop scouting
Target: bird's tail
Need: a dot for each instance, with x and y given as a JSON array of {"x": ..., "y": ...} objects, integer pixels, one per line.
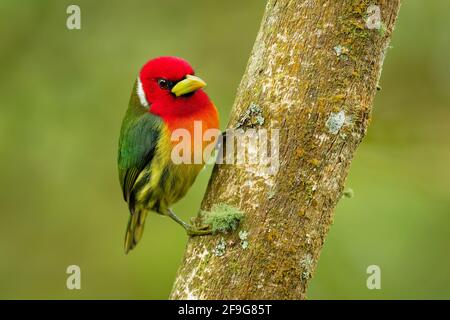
[{"x": 135, "y": 229}]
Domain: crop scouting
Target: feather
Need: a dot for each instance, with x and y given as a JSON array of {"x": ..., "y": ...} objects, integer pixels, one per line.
[{"x": 138, "y": 140}]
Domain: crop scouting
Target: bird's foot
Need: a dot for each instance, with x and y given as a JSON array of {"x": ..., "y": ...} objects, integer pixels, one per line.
[
  {"x": 191, "y": 229},
  {"x": 198, "y": 231}
]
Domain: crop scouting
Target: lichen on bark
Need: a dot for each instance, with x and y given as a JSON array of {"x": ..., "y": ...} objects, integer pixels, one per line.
[{"x": 299, "y": 82}]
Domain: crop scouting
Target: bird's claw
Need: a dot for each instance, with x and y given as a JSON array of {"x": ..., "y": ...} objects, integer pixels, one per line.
[{"x": 199, "y": 231}]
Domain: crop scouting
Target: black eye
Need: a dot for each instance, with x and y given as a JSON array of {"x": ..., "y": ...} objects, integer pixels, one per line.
[{"x": 164, "y": 84}]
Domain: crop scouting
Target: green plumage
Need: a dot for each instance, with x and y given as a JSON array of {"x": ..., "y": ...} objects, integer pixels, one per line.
[{"x": 138, "y": 140}]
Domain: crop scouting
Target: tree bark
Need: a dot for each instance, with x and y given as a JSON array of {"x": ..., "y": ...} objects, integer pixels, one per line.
[{"x": 313, "y": 74}]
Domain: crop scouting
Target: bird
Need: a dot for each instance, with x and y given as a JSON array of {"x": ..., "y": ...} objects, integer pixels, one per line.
[{"x": 167, "y": 96}]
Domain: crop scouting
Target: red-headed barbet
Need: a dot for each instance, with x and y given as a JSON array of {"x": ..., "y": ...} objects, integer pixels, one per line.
[{"x": 166, "y": 97}]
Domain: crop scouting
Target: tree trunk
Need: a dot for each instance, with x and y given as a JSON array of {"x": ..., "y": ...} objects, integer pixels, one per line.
[{"x": 312, "y": 74}]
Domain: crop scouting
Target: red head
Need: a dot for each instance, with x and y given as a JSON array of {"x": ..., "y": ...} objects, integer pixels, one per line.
[{"x": 168, "y": 86}]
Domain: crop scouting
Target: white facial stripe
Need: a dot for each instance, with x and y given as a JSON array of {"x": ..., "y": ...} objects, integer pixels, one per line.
[{"x": 141, "y": 94}]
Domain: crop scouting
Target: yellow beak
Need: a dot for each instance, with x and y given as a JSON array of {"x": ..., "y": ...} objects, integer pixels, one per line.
[{"x": 188, "y": 85}]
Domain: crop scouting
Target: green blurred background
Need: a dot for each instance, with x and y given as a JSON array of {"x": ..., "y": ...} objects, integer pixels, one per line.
[{"x": 63, "y": 95}]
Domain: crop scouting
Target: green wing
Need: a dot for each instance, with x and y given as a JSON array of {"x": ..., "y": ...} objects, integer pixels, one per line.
[{"x": 137, "y": 146}]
